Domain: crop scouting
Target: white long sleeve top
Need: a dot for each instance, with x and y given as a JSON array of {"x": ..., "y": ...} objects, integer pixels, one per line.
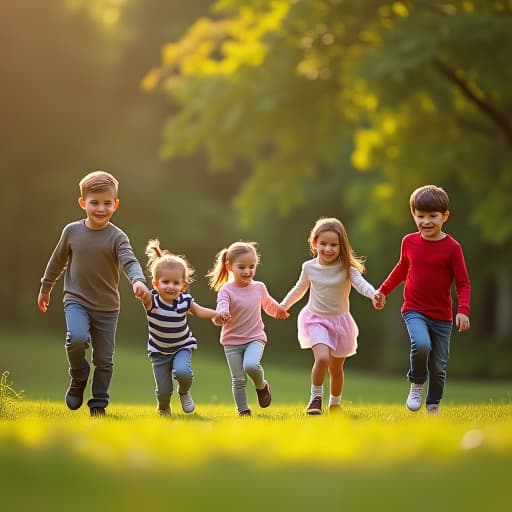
[{"x": 329, "y": 288}]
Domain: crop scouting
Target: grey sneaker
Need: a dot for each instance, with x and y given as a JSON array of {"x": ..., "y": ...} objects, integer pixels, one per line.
[
  {"x": 433, "y": 409},
  {"x": 245, "y": 412},
  {"x": 264, "y": 395},
  {"x": 415, "y": 397},
  {"x": 315, "y": 406},
  {"x": 187, "y": 402}
]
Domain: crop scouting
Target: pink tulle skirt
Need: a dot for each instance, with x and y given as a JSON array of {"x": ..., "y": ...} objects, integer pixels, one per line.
[{"x": 339, "y": 333}]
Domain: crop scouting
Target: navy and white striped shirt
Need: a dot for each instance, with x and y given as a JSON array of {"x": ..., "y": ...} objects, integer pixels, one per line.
[{"x": 168, "y": 325}]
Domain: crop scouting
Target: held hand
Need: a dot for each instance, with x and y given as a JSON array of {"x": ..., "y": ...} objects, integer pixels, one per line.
[
  {"x": 462, "y": 322},
  {"x": 282, "y": 314},
  {"x": 221, "y": 318},
  {"x": 378, "y": 300},
  {"x": 43, "y": 300},
  {"x": 140, "y": 290}
]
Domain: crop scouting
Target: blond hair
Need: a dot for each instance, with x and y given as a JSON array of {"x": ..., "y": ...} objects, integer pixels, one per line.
[
  {"x": 347, "y": 255},
  {"x": 219, "y": 274},
  {"x": 98, "y": 181},
  {"x": 160, "y": 259}
]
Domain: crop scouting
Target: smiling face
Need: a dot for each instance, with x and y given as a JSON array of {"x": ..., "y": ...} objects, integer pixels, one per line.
[
  {"x": 430, "y": 224},
  {"x": 327, "y": 246},
  {"x": 170, "y": 282},
  {"x": 99, "y": 208},
  {"x": 243, "y": 268}
]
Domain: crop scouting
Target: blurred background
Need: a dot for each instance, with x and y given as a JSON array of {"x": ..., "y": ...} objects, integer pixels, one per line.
[{"x": 248, "y": 119}]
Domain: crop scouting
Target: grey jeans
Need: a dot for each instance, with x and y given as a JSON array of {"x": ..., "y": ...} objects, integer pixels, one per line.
[
  {"x": 245, "y": 360},
  {"x": 97, "y": 328}
]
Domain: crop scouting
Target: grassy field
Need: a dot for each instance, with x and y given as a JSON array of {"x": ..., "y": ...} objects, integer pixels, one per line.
[{"x": 373, "y": 455}]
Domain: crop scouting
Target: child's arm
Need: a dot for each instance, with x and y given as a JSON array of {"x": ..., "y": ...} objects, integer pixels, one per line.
[
  {"x": 202, "y": 312},
  {"x": 140, "y": 290},
  {"x": 271, "y": 306},
  {"x": 297, "y": 292},
  {"x": 43, "y": 300}
]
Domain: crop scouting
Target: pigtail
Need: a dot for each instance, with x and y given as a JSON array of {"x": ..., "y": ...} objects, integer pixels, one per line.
[{"x": 219, "y": 275}]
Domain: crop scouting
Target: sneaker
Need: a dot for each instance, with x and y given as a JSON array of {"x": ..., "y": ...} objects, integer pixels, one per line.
[
  {"x": 245, "y": 412},
  {"x": 415, "y": 397},
  {"x": 315, "y": 406},
  {"x": 264, "y": 395},
  {"x": 75, "y": 394},
  {"x": 164, "y": 412},
  {"x": 187, "y": 403},
  {"x": 433, "y": 409},
  {"x": 97, "y": 411},
  {"x": 335, "y": 409}
]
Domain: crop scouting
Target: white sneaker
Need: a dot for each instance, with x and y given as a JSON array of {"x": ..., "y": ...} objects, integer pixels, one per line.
[
  {"x": 187, "y": 402},
  {"x": 415, "y": 397},
  {"x": 433, "y": 409}
]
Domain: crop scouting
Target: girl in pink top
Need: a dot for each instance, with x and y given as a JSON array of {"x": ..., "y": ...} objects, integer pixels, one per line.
[
  {"x": 243, "y": 336},
  {"x": 325, "y": 324}
]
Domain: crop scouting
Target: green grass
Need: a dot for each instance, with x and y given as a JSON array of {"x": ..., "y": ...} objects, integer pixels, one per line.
[{"x": 374, "y": 455}]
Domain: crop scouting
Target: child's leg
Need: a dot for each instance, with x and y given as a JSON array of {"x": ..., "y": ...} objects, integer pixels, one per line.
[
  {"x": 419, "y": 335},
  {"x": 77, "y": 340},
  {"x": 337, "y": 378},
  {"x": 162, "y": 372},
  {"x": 103, "y": 332},
  {"x": 321, "y": 354},
  {"x": 182, "y": 370},
  {"x": 234, "y": 357},
  {"x": 252, "y": 363},
  {"x": 440, "y": 334}
]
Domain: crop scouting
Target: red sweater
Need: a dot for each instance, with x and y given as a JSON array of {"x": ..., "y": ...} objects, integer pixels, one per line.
[{"x": 428, "y": 269}]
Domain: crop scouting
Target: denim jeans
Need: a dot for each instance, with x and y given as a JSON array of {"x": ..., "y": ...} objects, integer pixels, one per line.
[
  {"x": 169, "y": 366},
  {"x": 97, "y": 328},
  {"x": 430, "y": 349},
  {"x": 245, "y": 360}
]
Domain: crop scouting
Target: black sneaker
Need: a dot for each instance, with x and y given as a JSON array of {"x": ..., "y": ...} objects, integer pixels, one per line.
[
  {"x": 75, "y": 394},
  {"x": 245, "y": 412},
  {"x": 264, "y": 396},
  {"x": 97, "y": 411},
  {"x": 315, "y": 406}
]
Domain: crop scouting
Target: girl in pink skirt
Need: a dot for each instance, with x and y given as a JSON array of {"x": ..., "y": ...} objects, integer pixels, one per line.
[{"x": 325, "y": 324}]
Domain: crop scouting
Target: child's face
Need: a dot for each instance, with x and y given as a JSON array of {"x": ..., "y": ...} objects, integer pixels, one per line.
[
  {"x": 243, "y": 269},
  {"x": 170, "y": 283},
  {"x": 327, "y": 245},
  {"x": 430, "y": 224},
  {"x": 99, "y": 208}
]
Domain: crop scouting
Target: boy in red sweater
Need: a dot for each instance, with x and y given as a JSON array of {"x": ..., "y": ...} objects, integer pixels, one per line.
[{"x": 430, "y": 260}]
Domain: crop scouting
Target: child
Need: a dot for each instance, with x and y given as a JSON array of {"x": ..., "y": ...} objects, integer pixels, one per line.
[
  {"x": 171, "y": 341},
  {"x": 90, "y": 252},
  {"x": 430, "y": 260},
  {"x": 325, "y": 324},
  {"x": 243, "y": 336}
]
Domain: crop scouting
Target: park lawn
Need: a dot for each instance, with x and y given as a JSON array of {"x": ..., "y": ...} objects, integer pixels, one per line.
[{"x": 367, "y": 457}]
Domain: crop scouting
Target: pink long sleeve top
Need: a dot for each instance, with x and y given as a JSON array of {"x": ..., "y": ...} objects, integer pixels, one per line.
[{"x": 244, "y": 303}]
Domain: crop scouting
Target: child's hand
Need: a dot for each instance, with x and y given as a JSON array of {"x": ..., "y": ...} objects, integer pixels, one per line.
[
  {"x": 378, "y": 300},
  {"x": 43, "y": 300},
  {"x": 282, "y": 314},
  {"x": 462, "y": 322},
  {"x": 140, "y": 290},
  {"x": 221, "y": 318}
]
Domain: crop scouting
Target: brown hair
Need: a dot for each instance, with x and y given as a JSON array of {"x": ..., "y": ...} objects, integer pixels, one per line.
[
  {"x": 98, "y": 181},
  {"x": 347, "y": 255},
  {"x": 219, "y": 274},
  {"x": 159, "y": 258},
  {"x": 429, "y": 198}
]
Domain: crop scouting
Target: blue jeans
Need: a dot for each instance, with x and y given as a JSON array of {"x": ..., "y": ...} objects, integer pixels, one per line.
[
  {"x": 97, "y": 328},
  {"x": 245, "y": 360},
  {"x": 430, "y": 349},
  {"x": 167, "y": 366}
]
